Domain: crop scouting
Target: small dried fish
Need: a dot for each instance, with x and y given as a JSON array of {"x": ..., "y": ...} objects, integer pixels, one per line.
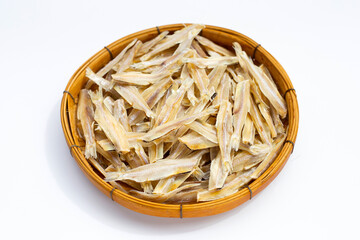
[
  {"x": 239, "y": 55},
  {"x": 213, "y": 46},
  {"x": 228, "y": 189},
  {"x": 276, "y": 120},
  {"x": 223, "y": 90},
  {"x": 266, "y": 114},
  {"x": 244, "y": 161},
  {"x": 112, "y": 128},
  {"x": 173, "y": 62},
  {"x": 196, "y": 46},
  {"x": 140, "y": 152},
  {"x": 128, "y": 58},
  {"x": 106, "y": 144},
  {"x": 258, "y": 122},
  {"x": 155, "y": 171},
  {"x": 218, "y": 173},
  {"x": 112, "y": 63},
  {"x": 153, "y": 62},
  {"x": 149, "y": 44},
  {"x": 186, "y": 44},
  {"x": 191, "y": 90},
  {"x": 109, "y": 104},
  {"x": 212, "y": 61},
  {"x": 269, "y": 157},
  {"x": 170, "y": 41},
  {"x": 241, "y": 108},
  {"x": 134, "y": 98},
  {"x": 206, "y": 130},
  {"x": 142, "y": 79},
  {"x": 248, "y": 133},
  {"x": 155, "y": 92},
  {"x": 195, "y": 141},
  {"x": 224, "y": 132},
  {"x": 141, "y": 127},
  {"x": 215, "y": 77},
  {"x": 103, "y": 83},
  {"x": 120, "y": 114},
  {"x": 201, "y": 80},
  {"x": 85, "y": 113}
]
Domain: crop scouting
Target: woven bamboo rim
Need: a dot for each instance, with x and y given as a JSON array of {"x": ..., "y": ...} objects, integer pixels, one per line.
[{"x": 224, "y": 37}]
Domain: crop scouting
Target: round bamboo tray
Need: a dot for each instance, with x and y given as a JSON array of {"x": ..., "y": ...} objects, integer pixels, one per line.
[{"x": 224, "y": 37}]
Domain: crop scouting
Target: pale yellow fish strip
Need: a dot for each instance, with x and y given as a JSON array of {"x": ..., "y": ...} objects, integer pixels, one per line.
[
  {"x": 186, "y": 44},
  {"x": 134, "y": 98},
  {"x": 196, "y": 46},
  {"x": 155, "y": 171},
  {"x": 228, "y": 189},
  {"x": 244, "y": 161},
  {"x": 276, "y": 120},
  {"x": 266, "y": 115},
  {"x": 201, "y": 80},
  {"x": 106, "y": 144},
  {"x": 170, "y": 41},
  {"x": 173, "y": 62},
  {"x": 223, "y": 90},
  {"x": 151, "y": 43},
  {"x": 195, "y": 141},
  {"x": 248, "y": 133},
  {"x": 213, "y": 46},
  {"x": 138, "y": 78},
  {"x": 141, "y": 127},
  {"x": 85, "y": 113},
  {"x": 218, "y": 173},
  {"x": 112, "y": 63},
  {"x": 111, "y": 127},
  {"x": 128, "y": 59},
  {"x": 211, "y": 62},
  {"x": 258, "y": 122},
  {"x": 100, "y": 81},
  {"x": 153, "y": 62},
  {"x": 206, "y": 130},
  {"x": 240, "y": 110},
  {"x": 278, "y": 143},
  {"x": 120, "y": 114},
  {"x": 109, "y": 104},
  {"x": 224, "y": 132}
]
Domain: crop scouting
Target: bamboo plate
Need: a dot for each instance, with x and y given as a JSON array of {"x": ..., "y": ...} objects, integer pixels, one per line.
[{"x": 224, "y": 37}]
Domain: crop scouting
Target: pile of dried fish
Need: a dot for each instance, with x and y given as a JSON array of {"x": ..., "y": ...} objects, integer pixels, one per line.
[{"x": 181, "y": 119}]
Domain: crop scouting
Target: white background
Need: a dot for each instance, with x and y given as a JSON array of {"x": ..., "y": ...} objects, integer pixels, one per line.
[{"x": 45, "y": 195}]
